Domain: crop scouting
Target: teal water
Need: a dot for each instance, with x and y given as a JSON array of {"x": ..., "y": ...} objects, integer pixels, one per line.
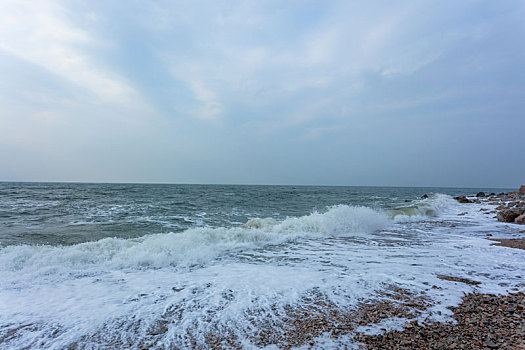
[
  {"x": 66, "y": 213},
  {"x": 98, "y": 266}
]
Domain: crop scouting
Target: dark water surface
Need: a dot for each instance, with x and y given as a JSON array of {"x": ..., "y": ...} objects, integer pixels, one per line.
[
  {"x": 110, "y": 266},
  {"x": 71, "y": 213}
]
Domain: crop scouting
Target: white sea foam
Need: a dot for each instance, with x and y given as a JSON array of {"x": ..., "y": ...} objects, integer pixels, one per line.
[
  {"x": 193, "y": 246},
  {"x": 435, "y": 205},
  {"x": 119, "y": 290}
]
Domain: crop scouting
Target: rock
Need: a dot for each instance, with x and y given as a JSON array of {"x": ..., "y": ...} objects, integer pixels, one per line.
[
  {"x": 492, "y": 194},
  {"x": 462, "y": 199},
  {"x": 480, "y": 194},
  {"x": 482, "y": 323},
  {"x": 521, "y": 191},
  {"x": 458, "y": 279},
  {"x": 425, "y": 196},
  {"x": 491, "y": 344},
  {"x": 520, "y": 220},
  {"x": 508, "y": 215}
]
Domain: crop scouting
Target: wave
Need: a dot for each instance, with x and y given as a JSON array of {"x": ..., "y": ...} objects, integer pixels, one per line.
[
  {"x": 200, "y": 245},
  {"x": 193, "y": 246},
  {"x": 433, "y": 206}
]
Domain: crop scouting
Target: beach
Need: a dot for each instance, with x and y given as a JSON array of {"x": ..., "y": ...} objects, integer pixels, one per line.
[
  {"x": 262, "y": 175},
  {"x": 480, "y": 321},
  {"x": 190, "y": 266}
]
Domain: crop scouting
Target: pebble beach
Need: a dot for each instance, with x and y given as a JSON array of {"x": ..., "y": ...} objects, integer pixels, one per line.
[
  {"x": 480, "y": 321},
  {"x": 367, "y": 268}
]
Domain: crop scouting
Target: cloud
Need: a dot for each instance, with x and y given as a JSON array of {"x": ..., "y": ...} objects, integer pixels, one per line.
[
  {"x": 189, "y": 73},
  {"x": 211, "y": 107},
  {"x": 39, "y": 32},
  {"x": 231, "y": 62},
  {"x": 226, "y": 84}
]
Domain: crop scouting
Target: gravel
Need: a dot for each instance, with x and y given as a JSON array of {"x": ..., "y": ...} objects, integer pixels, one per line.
[{"x": 484, "y": 321}]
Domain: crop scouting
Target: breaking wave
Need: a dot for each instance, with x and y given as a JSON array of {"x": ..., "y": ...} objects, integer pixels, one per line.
[
  {"x": 200, "y": 245},
  {"x": 433, "y": 206},
  {"x": 149, "y": 288}
]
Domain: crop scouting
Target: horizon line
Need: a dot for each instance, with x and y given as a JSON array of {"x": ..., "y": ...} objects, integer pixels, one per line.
[{"x": 240, "y": 184}]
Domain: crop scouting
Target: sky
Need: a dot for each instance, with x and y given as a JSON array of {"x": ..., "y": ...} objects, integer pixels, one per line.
[{"x": 381, "y": 93}]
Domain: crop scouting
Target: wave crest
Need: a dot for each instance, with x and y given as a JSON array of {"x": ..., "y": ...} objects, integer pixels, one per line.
[
  {"x": 200, "y": 245},
  {"x": 193, "y": 246},
  {"x": 433, "y": 206}
]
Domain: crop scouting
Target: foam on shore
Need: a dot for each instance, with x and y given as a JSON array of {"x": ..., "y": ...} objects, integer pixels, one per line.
[{"x": 120, "y": 291}]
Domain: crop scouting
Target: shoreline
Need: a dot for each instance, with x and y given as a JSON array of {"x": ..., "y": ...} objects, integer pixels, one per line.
[
  {"x": 482, "y": 321},
  {"x": 479, "y": 321},
  {"x": 392, "y": 318}
]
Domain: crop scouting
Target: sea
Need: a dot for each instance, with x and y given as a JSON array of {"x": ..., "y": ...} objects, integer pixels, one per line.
[{"x": 92, "y": 266}]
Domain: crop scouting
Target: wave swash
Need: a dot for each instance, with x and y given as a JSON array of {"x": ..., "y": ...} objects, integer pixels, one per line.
[{"x": 118, "y": 292}]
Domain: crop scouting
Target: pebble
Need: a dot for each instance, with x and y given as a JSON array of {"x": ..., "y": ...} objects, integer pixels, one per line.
[{"x": 482, "y": 322}]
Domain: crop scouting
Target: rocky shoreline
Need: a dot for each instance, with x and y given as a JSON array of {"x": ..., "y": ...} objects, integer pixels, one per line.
[
  {"x": 509, "y": 207},
  {"x": 481, "y": 321}
]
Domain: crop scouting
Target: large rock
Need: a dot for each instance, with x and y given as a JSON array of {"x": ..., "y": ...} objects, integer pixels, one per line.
[
  {"x": 462, "y": 199},
  {"x": 480, "y": 194},
  {"x": 520, "y": 219},
  {"x": 521, "y": 191},
  {"x": 508, "y": 215}
]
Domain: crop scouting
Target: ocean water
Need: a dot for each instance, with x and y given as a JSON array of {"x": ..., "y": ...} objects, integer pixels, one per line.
[{"x": 103, "y": 265}]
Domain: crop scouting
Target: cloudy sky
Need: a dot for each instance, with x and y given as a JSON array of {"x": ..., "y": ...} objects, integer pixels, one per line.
[{"x": 406, "y": 93}]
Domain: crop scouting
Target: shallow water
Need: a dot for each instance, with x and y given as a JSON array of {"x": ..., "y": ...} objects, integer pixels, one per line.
[{"x": 102, "y": 264}]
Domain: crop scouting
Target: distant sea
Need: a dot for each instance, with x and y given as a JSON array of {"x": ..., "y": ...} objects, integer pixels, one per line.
[{"x": 94, "y": 265}]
